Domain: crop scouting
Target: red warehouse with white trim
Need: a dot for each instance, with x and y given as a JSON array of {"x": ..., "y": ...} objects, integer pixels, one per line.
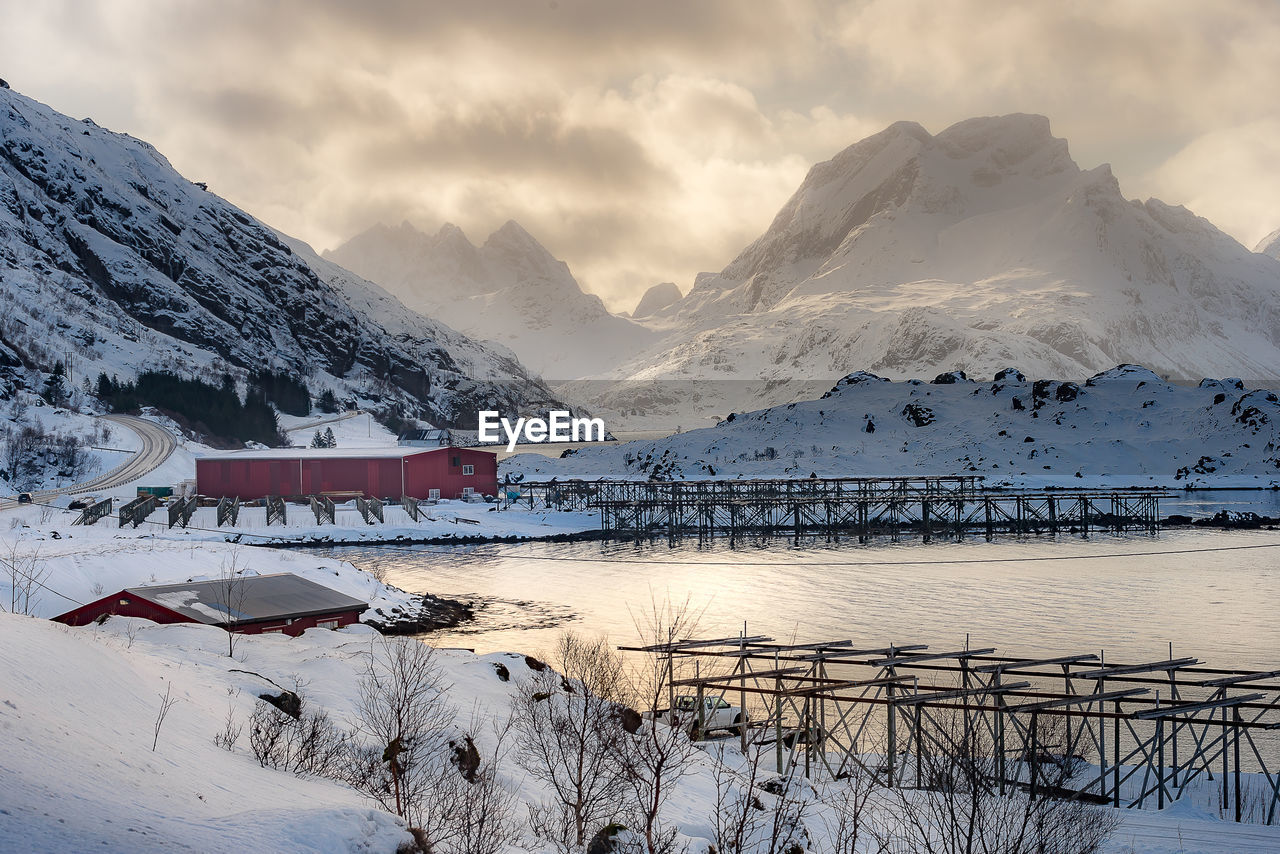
[{"x": 371, "y": 472}]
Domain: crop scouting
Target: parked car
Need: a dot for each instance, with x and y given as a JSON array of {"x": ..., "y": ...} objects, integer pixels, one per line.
[
  {"x": 717, "y": 714},
  {"x": 24, "y": 497}
]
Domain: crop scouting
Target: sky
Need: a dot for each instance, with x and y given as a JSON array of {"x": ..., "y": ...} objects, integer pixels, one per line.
[{"x": 644, "y": 142}]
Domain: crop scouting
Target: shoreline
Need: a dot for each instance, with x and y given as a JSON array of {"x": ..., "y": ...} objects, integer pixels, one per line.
[
  {"x": 434, "y": 613},
  {"x": 1173, "y": 522}
]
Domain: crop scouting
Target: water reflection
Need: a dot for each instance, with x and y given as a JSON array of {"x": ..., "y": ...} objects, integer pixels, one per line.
[{"x": 1211, "y": 594}]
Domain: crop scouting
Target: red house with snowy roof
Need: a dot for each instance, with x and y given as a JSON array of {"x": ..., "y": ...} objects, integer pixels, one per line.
[{"x": 251, "y": 604}]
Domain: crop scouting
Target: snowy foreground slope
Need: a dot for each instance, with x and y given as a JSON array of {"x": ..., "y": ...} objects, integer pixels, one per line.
[
  {"x": 108, "y": 253},
  {"x": 78, "y": 771},
  {"x": 1124, "y": 426},
  {"x": 982, "y": 246}
]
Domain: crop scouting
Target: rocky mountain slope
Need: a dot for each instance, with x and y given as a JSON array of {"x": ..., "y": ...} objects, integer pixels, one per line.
[
  {"x": 1125, "y": 426},
  {"x": 112, "y": 260},
  {"x": 509, "y": 290},
  {"x": 985, "y": 245}
]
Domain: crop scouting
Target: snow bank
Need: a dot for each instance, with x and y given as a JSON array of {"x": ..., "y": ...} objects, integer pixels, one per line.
[{"x": 77, "y": 770}]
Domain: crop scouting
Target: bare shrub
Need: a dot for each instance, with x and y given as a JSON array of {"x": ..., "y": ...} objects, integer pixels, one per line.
[
  {"x": 738, "y": 814},
  {"x": 309, "y": 744},
  {"x": 401, "y": 711},
  {"x": 227, "y": 737},
  {"x": 756, "y": 811},
  {"x": 26, "y": 572},
  {"x": 229, "y": 595},
  {"x": 657, "y": 755},
  {"x": 569, "y": 727},
  {"x": 167, "y": 702},
  {"x": 484, "y": 810},
  {"x": 961, "y": 811},
  {"x": 849, "y": 800}
]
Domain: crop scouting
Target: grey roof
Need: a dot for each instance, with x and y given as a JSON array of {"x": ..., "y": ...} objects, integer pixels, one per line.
[
  {"x": 253, "y": 598},
  {"x": 431, "y": 434}
]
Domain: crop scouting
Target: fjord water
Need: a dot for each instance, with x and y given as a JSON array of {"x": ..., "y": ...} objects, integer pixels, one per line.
[{"x": 1212, "y": 594}]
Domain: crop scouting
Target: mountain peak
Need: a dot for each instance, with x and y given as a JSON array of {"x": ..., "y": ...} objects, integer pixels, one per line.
[
  {"x": 1270, "y": 245},
  {"x": 521, "y": 251},
  {"x": 657, "y": 298},
  {"x": 512, "y": 234}
]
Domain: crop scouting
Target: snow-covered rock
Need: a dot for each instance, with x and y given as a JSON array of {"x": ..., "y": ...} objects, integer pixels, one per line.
[
  {"x": 106, "y": 251},
  {"x": 983, "y": 246},
  {"x": 510, "y": 290},
  {"x": 1123, "y": 426}
]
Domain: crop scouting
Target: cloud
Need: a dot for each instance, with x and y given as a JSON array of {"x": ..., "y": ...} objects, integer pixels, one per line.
[
  {"x": 641, "y": 142},
  {"x": 1228, "y": 176}
]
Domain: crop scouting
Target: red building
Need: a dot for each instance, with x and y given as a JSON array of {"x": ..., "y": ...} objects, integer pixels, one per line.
[
  {"x": 252, "y": 604},
  {"x": 372, "y": 472}
]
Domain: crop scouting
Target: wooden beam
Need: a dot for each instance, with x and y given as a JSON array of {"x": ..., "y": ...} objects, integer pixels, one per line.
[{"x": 1127, "y": 669}]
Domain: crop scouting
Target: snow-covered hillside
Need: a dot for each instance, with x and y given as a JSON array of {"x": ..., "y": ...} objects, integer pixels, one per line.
[
  {"x": 985, "y": 245},
  {"x": 111, "y": 259},
  {"x": 1125, "y": 426},
  {"x": 510, "y": 290},
  {"x": 89, "y": 763}
]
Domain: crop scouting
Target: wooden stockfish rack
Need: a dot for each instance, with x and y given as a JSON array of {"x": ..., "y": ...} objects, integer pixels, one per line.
[
  {"x": 370, "y": 509},
  {"x": 181, "y": 510},
  {"x": 137, "y": 510},
  {"x": 275, "y": 510},
  {"x": 94, "y": 512},
  {"x": 228, "y": 511},
  {"x": 324, "y": 510},
  {"x": 1146, "y": 731}
]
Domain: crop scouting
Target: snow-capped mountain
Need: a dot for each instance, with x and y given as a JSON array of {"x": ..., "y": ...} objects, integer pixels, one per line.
[
  {"x": 1270, "y": 245},
  {"x": 1124, "y": 426},
  {"x": 656, "y": 299},
  {"x": 109, "y": 255},
  {"x": 510, "y": 290},
  {"x": 982, "y": 246}
]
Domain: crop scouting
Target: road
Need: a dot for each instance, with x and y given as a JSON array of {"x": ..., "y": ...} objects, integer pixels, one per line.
[
  {"x": 311, "y": 425},
  {"x": 157, "y": 444}
]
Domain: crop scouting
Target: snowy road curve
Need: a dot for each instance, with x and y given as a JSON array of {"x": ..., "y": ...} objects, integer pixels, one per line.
[{"x": 157, "y": 444}]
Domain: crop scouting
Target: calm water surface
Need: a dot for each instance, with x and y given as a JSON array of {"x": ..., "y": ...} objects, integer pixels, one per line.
[{"x": 1212, "y": 594}]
